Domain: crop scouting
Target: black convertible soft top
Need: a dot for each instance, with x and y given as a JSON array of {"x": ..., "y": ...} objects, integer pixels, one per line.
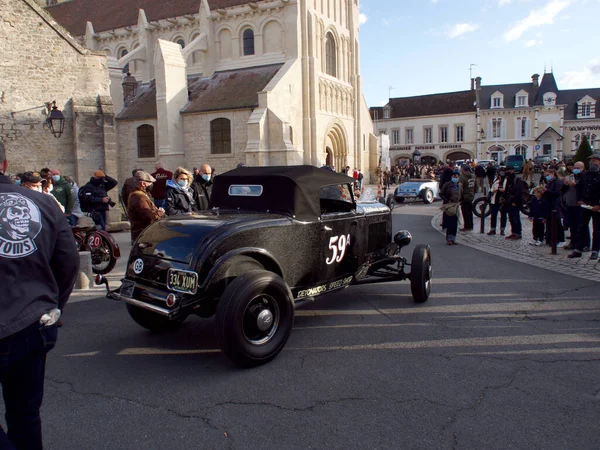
[{"x": 290, "y": 190}]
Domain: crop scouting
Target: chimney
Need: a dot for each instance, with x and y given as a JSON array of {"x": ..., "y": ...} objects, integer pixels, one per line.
[
  {"x": 472, "y": 84},
  {"x": 535, "y": 79},
  {"x": 478, "y": 83}
]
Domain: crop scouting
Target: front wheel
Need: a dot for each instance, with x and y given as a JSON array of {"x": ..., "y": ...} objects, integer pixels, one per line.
[
  {"x": 399, "y": 199},
  {"x": 390, "y": 202},
  {"x": 254, "y": 318},
  {"x": 477, "y": 207},
  {"x": 421, "y": 273},
  {"x": 103, "y": 256},
  {"x": 152, "y": 321},
  {"x": 428, "y": 197}
]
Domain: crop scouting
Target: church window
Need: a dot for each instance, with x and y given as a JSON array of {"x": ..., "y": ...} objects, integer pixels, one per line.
[
  {"x": 330, "y": 56},
  {"x": 220, "y": 136},
  {"x": 248, "y": 38},
  {"x": 122, "y": 53},
  {"x": 145, "y": 141}
]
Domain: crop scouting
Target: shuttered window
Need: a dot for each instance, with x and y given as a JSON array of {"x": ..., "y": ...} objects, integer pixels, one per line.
[
  {"x": 220, "y": 136},
  {"x": 145, "y": 141}
]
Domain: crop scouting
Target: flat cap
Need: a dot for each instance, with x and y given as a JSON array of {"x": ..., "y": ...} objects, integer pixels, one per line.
[
  {"x": 30, "y": 177},
  {"x": 144, "y": 176},
  {"x": 595, "y": 155}
]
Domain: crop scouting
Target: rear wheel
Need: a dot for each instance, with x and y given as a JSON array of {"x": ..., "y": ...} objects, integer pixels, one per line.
[
  {"x": 152, "y": 321},
  {"x": 103, "y": 257},
  {"x": 390, "y": 202},
  {"x": 254, "y": 318},
  {"x": 428, "y": 197},
  {"x": 421, "y": 273},
  {"x": 477, "y": 204}
]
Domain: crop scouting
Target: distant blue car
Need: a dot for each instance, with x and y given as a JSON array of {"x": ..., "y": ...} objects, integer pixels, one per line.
[{"x": 426, "y": 190}]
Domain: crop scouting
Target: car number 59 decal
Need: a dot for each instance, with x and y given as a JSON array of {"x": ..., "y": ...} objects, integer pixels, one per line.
[{"x": 338, "y": 244}]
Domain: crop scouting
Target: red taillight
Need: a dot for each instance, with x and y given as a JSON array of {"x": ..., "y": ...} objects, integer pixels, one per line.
[
  {"x": 99, "y": 280},
  {"x": 171, "y": 300}
]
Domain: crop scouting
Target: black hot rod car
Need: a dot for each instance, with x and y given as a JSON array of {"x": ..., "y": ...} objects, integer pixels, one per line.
[{"x": 274, "y": 238}]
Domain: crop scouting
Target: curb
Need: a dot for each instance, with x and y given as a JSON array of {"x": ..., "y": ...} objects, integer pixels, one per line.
[{"x": 554, "y": 263}]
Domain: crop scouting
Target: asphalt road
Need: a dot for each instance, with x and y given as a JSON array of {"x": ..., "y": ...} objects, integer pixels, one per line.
[{"x": 502, "y": 356}]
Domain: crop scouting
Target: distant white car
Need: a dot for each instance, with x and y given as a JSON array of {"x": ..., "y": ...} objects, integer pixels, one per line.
[
  {"x": 426, "y": 190},
  {"x": 485, "y": 162}
]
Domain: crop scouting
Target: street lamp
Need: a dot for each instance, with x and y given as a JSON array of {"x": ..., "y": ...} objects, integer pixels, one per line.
[
  {"x": 55, "y": 120},
  {"x": 130, "y": 86}
]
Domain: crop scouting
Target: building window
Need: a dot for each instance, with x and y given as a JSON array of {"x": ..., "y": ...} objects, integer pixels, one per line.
[
  {"x": 181, "y": 42},
  {"x": 522, "y": 126},
  {"x": 122, "y": 53},
  {"x": 460, "y": 133},
  {"x": 443, "y": 134},
  {"x": 428, "y": 135},
  {"x": 145, "y": 141},
  {"x": 220, "y": 136},
  {"x": 409, "y": 135},
  {"x": 496, "y": 128},
  {"x": 496, "y": 102},
  {"x": 331, "y": 58},
  {"x": 395, "y": 137},
  {"x": 386, "y": 113},
  {"x": 248, "y": 38},
  {"x": 586, "y": 110},
  {"x": 521, "y": 150},
  {"x": 522, "y": 100}
]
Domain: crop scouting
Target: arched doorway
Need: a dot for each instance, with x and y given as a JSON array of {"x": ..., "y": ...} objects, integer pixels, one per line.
[
  {"x": 328, "y": 157},
  {"x": 455, "y": 156},
  {"x": 336, "y": 147},
  {"x": 521, "y": 150}
]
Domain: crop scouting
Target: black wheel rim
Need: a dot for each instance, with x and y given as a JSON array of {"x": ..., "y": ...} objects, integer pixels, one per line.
[{"x": 260, "y": 311}]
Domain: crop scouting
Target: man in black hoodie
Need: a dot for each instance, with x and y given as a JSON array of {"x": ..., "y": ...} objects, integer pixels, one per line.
[
  {"x": 202, "y": 187},
  {"x": 38, "y": 267},
  {"x": 93, "y": 197}
]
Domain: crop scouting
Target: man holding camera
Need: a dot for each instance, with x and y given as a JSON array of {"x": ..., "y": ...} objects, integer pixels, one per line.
[{"x": 93, "y": 197}]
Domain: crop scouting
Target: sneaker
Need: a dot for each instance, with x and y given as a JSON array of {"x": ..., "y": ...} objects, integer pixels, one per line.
[
  {"x": 456, "y": 243},
  {"x": 575, "y": 254},
  {"x": 539, "y": 243},
  {"x": 594, "y": 256},
  {"x": 569, "y": 247},
  {"x": 491, "y": 232},
  {"x": 501, "y": 231},
  {"x": 560, "y": 245},
  {"x": 586, "y": 249},
  {"x": 535, "y": 243}
]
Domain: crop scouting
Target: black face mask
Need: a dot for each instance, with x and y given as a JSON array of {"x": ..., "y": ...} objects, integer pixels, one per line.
[{"x": 97, "y": 181}]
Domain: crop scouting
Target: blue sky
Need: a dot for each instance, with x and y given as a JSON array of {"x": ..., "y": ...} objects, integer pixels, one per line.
[{"x": 426, "y": 46}]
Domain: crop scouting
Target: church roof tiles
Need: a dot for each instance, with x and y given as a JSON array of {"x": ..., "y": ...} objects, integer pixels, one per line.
[{"x": 112, "y": 14}]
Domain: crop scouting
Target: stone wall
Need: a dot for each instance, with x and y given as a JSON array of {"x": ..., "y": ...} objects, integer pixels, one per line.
[
  {"x": 127, "y": 144},
  {"x": 196, "y": 129},
  {"x": 42, "y": 63}
]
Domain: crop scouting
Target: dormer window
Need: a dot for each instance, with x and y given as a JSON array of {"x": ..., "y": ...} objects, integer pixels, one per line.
[
  {"x": 549, "y": 99},
  {"x": 586, "y": 108},
  {"x": 386, "y": 113},
  {"x": 522, "y": 100},
  {"x": 497, "y": 100}
]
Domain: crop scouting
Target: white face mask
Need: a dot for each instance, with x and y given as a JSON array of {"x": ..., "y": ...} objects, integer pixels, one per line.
[
  {"x": 37, "y": 188},
  {"x": 51, "y": 188}
]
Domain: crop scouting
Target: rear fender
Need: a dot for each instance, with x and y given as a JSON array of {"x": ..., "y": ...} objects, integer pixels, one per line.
[
  {"x": 113, "y": 243},
  {"x": 220, "y": 269}
]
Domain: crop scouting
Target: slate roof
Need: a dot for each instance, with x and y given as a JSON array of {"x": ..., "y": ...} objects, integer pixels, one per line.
[
  {"x": 431, "y": 105},
  {"x": 144, "y": 105},
  {"x": 112, "y": 14},
  {"x": 548, "y": 84},
  {"x": 570, "y": 97},
  {"x": 509, "y": 91},
  {"x": 230, "y": 89}
]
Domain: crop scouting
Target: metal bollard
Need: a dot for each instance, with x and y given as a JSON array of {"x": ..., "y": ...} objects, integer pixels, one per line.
[
  {"x": 482, "y": 223},
  {"x": 553, "y": 230}
]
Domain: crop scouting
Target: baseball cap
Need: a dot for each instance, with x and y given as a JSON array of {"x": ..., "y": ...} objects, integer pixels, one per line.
[
  {"x": 144, "y": 176},
  {"x": 31, "y": 177}
]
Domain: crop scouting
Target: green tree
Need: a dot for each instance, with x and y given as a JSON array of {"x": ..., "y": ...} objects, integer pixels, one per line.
[{"x": 584, "y": 151}]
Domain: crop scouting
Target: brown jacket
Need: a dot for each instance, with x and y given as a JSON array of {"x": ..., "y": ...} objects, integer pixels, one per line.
[{"x": 142, "y": 212}]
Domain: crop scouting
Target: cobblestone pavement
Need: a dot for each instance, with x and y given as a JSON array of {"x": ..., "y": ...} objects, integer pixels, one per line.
[{"x": 521, "y": 251}]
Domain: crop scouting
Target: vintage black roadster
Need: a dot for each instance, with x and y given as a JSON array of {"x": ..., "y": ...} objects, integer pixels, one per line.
[{"x": 273, "y": 239}]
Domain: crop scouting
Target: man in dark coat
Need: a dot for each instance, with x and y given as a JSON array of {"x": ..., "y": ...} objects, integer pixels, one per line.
[
  {"x": 141, "y": 210},
  {"x": 202, "y": 187},
  {"x": 94, "y": 198},
  {"x": 38, "y": 268},
  {"x": 158, "y": 188},
  {"x": 128, "y": 187}
]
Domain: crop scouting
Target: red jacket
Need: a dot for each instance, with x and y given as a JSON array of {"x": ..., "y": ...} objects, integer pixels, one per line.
[{"x": 158, "y": 188}]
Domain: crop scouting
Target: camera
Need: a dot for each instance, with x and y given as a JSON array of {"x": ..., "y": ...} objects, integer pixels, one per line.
[{"x": 111, "y": 203}]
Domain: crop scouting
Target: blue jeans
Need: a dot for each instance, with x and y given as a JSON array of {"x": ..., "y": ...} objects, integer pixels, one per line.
[
  {"x": 73, "y": 220},
  {"x": 22, "y": 369},
  {"x": 514, "y": 215},
  {"x": 99, "y": 218}
]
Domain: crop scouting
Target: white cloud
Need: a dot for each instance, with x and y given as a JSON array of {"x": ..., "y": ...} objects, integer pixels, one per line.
[
  {"x": 461, "y": 28},
  {"x": 362, "y": 18},
  {"x": 536, "y": 18},
  {"x": 537, "y": 41},
  {"x": 589, "y": 76},
  {"x": 504, "y": 2}
]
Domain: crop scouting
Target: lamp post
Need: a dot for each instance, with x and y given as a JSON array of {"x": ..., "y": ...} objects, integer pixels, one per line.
[
  {"x": 130, "y": 86},
  {"x": 56, "y": 121}
]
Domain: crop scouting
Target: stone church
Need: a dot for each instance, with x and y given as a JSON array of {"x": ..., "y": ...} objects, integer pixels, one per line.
[{"x": 274, "y": 82}]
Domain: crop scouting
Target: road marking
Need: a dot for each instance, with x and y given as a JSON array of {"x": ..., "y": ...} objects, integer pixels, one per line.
[
  {"x": 72, "y": 355},
  {"x": 546, "y": 351},
  {"x": 165, "y": 351}
]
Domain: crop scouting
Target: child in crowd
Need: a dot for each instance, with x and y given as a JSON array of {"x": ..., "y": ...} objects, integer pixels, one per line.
[{"x": 537, "y": 214}]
